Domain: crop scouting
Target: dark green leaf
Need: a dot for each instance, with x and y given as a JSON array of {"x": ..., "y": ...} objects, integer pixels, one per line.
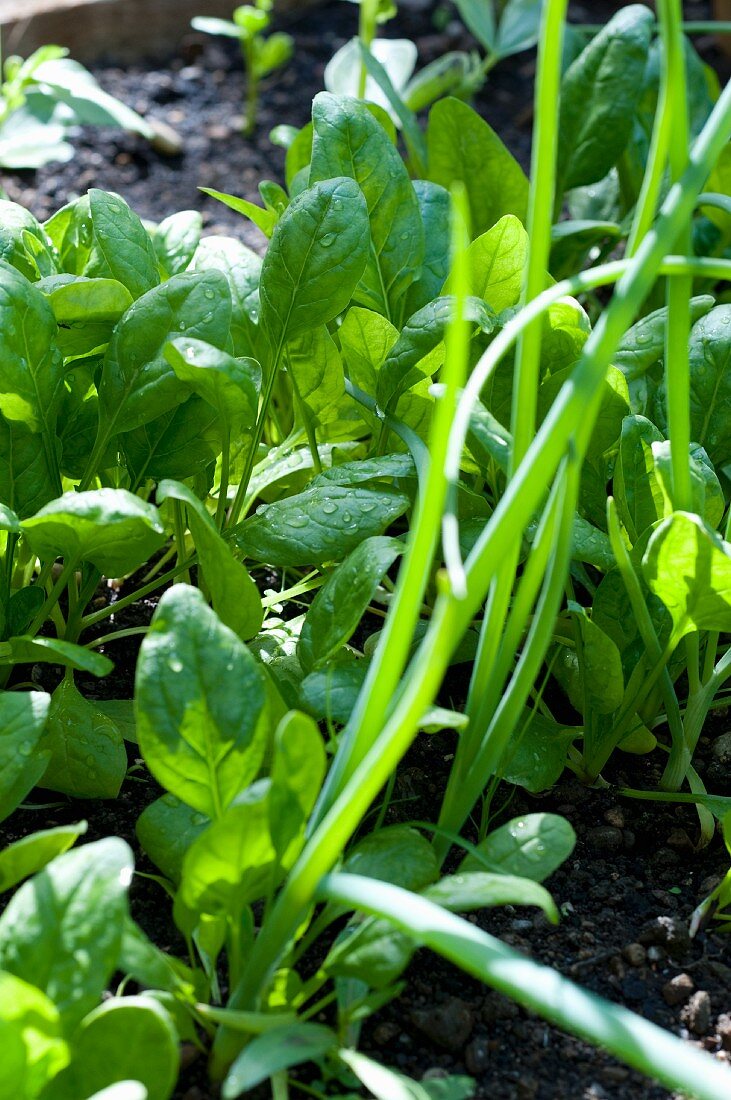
[
  {"x": 531, "y": 847},
  {"x": 23, "y": 718},
  {"x": 87, "y": 753}
]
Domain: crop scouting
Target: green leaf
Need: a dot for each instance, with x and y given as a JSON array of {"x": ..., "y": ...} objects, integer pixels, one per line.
[
  {"x": 31, "y": 853},
  {"x": 62, "y": 930},
  {"x": 25, "y": 649},
  {"x": 241, "y": 268},
  {"x": 594, "y": 683},
  {"x": 324, "y": 523},
  {"x": 688, "y": 566},
  {"x": 417, "y": 353},
  {"x": 111, "y": 528},
  {"x": 532, "y": 847},
  {"x": 181, "y": 443},
  {"x": 88, "y": 758},
  {"x": 316, "y": 369},
  {"x": 396, "y": 854},
  {"x": 123, "y": 1090},
  {"x": 166, "y": 829},
  {"x": 234, "y": 595},
  {"x": 262, "y": 218},
  {"x": 137, "y": 382},
  {"x": 175, "y": 241},
  {"x": 348, "y": 141},
  {"x": 231, "y": 863},
  {"x": 536, "y": 754},
  {"x": 123, "y": 1037},
  {"x": 201, "y": 741},
  {"x": 710, "y": 386},
  {"x": 479, "y": 18},
  {"x": 17, "y": 226},
  {"x": 315, "y": 260},
  {"x": 435, "y": 209},
  {"x": 121, "y": 712},
  {"x": 519, "y": 27},
  {"x": 496, "y": 261},
  {"x": 76, "y": 300},
  {"x": 297, "y": 772},
  {"x": 330, "y": 693},
  {"x": 27, "y": 1015},
  {"x": 382, "y": 1082},
  {"x": 120, "y": 247},
  {"x": 599, "y": 94},
  {"x": 27, "y": 477},
  {"x": 23, "y": 718},
  {"x": 275, "y": 1051},
  {"x": 344, "y": 598},
  {"x": 637, "y": 491},
  {"x": 464, "y": 149},
  {"x": 230, "y": 385},
  {"x": 31, "y": 370},
  {"x": 707, "y": 493}
]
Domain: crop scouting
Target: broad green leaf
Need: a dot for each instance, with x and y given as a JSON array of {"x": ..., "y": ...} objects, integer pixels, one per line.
[
  {"x": 637, "y": 490},
  {"x": 77, "y": 300},
  {"x": 519, "y": 26},
  {"x": 25, "y": 649},
  {"x": 62, "y": 930},
  {"x": 297, "y": 772},
  {"x": 688, "y": 566},
  {"x": 111, "y": 528},
  {"x": 396, "y": 854},
  {"x": 137, "y": 382},
  {"x": 181, "y": 443},
  {"x": 314, "y": 365},
  {"x": 31, "y": 370},
  {"x": 421, "y": 336},
  {"x": 496, "y": 261},
  {"x": 31, "y": 853},
  {"x": 230, "y": 864},
  {"x": 274, "y": 1051},
  {"x": 230, "y": 385},
  {"x": 599, "y": 93},
  {"x": 166, "y": 829},
  {"x": 202, "y": 740},
  {"x": 87, "y": 754},
  {"x": 707, "y": 493},
  {"x": 536, "y": 754},
  {"x": 464, "y": 149},
  {"x": 643, "y": 344},
  {"x": 479, "y": 18},
  {"x": 17, "y": 225},
  {"x": 175, "y": 241},
  {"x": 242, "y": 269},
  {"x": 435, "y": 209},
  {"x": 315, "y": 260},
  {"x": 349, "y": 142},
  {"x": 27, "y": 476},
  {"x": 710, "y": 385},
  {"x": 23, "y": 718},
  {"x": 121, "y": 712},
  {"x": 593, "y": 681},
  {"x": 370, "y": 951},
  {"x": 27, "y": 1015},
  {"x": 120, "y": 247},
  {"x": 396, "y": 55},
  {"x": 330, "y": 693},
  {"x": 69, "y": 231},
  {"x": 530, "y": 847},
  {"x": 324, "y": 523},
  {"x": 342, "y": 601},
  {"x": 123, "y": 1037},
  {"x": 234, "y": 595}
]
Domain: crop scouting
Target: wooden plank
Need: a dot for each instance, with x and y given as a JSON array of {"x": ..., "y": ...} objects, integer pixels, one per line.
[{"x": 120, "y": 30}]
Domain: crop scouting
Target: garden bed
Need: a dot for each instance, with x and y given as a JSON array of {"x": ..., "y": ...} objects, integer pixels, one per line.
[{"x": 628, "y": 891}]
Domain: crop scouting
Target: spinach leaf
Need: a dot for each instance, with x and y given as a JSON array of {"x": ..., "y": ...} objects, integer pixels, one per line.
[
  {"x": 339, "y": 605},
  {"x": 166, "y": 829},
  {"x": 23, "y": 716},
  {"x": 200, "y": 699},
  {"x": 87, "y": 754},
  {"x": 348, "y": 141},
  {"x": 242, "y": 269},
  {"x": 175, "y": 241},
  {"x": 463, "y": 148},
  {"x": 34, "y": 1049},
  {"x": 120, "y": 247},
  {"x": 435, "y": 209},
  {"x": 315, "y": 260},
  {"x": 31, "y": 853},
  {"x": 599, "y": 94},
  {"x": 298, "y": 769},
  {"x": 62, "y": 930},
  {"x": 530, "y": 847}
]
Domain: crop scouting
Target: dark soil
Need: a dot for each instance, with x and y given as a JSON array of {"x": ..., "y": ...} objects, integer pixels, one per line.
[{"x": 629, "y": 890}]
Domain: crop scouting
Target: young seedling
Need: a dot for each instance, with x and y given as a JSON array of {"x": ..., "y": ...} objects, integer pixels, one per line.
[{"x": 262, "y": 54}]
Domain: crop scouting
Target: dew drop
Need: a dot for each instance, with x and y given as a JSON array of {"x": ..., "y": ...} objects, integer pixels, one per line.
[
  {"x": 182, "y": 326},
  {"x": 329, "y": 507},
  {"x": 328, "y": 239},
  {"x": 208, "y": 293},
  {"x": 297, "y": 521},
  {"x": 175, "y": 665},
  {"x": 25, "y": 748}
]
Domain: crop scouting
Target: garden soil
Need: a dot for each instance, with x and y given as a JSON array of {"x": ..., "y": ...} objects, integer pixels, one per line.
[{"x": 627, "y": 893}]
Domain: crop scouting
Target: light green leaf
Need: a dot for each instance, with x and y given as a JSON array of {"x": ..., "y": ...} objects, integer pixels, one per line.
[
  {"x": 31, "y": 853},
  {"x": 31, "y": 370},
  {"x": 202, "y": 740},
  {"x": 28, "y": 1015},
  {"x": 176, "y": 239},
  {"x": 120, "y": 246},
  {"x": 496, "y": 261},
  {"x": 532, "y": 847},
  {"x": 298, "y": 769},
  {"x": 274, "y": 1051},
  {"x": 23, "y": 716},
  {"x": 62, "y": 930},
  {"x": 111, "y": 528}
]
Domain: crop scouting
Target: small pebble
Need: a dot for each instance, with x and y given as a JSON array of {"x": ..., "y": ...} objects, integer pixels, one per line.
[
  {"x": 448, "y": 1025},
  {"x": 723, "y": 1027},
  {"x": 697, "y": 1013},
  {"x": 477, "y": 1056},
  {"x": 634, "y": 954},
  {"x": 667, "y": 932},
  {"x": 678, "y": 989},
  {"x": 605, "y": 838}
]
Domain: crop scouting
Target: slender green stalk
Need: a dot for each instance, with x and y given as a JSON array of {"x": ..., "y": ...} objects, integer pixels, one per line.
[{"x": 637, "y": 1042}]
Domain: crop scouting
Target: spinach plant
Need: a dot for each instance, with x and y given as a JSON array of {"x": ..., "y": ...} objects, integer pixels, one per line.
[
  {"x": 262, "y": 54},
  {"x": 42, "y": 97}
]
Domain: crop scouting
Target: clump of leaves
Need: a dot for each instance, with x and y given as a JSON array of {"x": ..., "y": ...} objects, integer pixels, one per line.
[
  {"x": 44, "y": 95},
  {"x": 262, "y": 54}
]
